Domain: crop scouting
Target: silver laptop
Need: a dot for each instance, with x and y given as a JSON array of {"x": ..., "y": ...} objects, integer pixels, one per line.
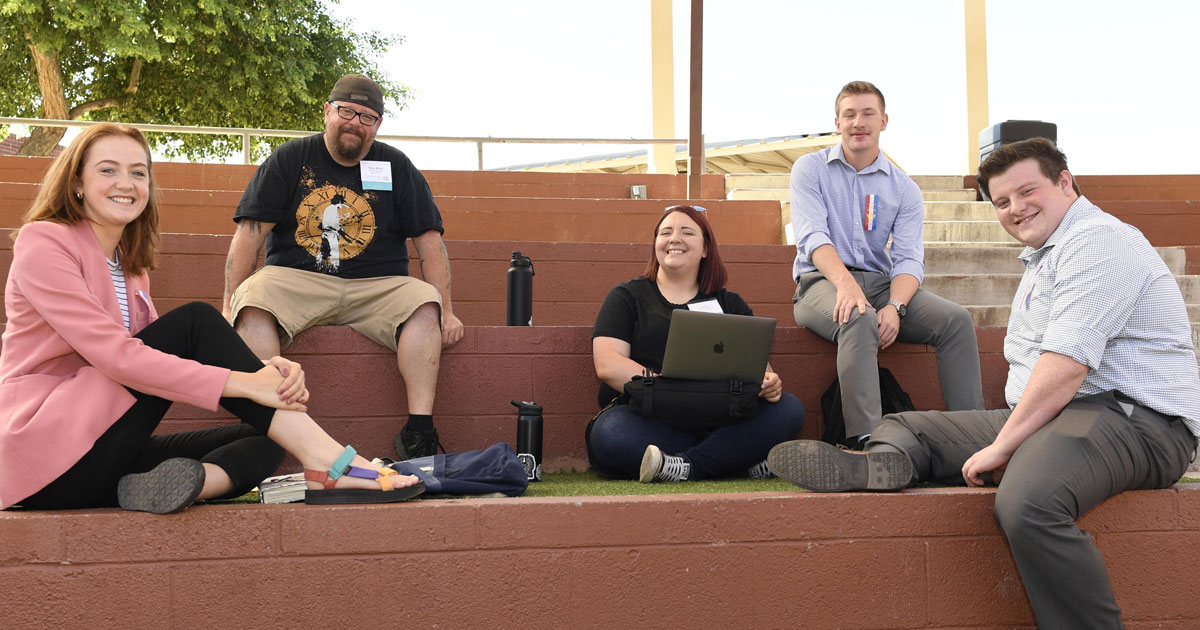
[{"x": 717, "y": 346}]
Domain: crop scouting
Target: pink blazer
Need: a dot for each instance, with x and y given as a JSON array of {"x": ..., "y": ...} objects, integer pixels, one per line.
[{"x": 67, "y": 357}]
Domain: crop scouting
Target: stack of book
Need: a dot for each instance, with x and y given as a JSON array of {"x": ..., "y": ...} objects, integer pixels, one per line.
[{"x": 282, "y": 489}]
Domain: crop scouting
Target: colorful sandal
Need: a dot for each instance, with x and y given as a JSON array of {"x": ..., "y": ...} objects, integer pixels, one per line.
[{"x": 331, "y": 495}]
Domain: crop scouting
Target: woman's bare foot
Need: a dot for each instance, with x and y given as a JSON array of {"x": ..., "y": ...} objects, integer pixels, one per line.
[{"x": 346, "y": 481}]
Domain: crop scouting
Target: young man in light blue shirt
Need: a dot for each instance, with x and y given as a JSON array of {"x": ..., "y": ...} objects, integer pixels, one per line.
[{"x": 848, "y": 201}]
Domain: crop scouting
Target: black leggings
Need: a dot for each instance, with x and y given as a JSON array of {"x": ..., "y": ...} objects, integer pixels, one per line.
[{"x": 193, "y": 331}]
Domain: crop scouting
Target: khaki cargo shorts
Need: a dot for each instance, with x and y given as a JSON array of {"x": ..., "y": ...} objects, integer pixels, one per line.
[{"x": 374, "y": 307}]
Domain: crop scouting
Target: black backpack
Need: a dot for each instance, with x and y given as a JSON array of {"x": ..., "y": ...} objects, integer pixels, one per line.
[{"x": 891, "y": 397}]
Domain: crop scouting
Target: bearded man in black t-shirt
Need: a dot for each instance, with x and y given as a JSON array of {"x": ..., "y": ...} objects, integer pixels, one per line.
[{"x": 335, "y": 210}]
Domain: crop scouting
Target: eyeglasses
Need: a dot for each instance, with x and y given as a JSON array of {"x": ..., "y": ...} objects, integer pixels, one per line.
[
  {"x": 345, "y": 113},
  {"x": 699, "y": 209}
]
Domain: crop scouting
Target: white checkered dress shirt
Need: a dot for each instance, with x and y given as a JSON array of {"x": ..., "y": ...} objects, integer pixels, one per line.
[{"x": 1097, "y": 292}]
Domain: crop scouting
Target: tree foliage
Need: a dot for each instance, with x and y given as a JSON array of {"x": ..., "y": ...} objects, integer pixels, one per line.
[{"x": 221, "y": 63}]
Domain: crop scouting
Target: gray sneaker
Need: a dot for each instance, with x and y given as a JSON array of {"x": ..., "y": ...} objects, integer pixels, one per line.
[
  {"x": 822, "y": 467},
  {"x": 659, "y": 467},
  {"x": 167, "y": 488}
]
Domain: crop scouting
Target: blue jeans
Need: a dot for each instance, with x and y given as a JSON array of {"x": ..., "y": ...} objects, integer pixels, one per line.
[{"x": 618, "y": 438}]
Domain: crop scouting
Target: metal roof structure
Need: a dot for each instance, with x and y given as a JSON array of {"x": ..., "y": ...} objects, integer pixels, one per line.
[{"x": 761, "y": 155}]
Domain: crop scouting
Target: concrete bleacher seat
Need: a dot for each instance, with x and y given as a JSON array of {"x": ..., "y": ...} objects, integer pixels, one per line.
[{"x": 925, "y": 558}]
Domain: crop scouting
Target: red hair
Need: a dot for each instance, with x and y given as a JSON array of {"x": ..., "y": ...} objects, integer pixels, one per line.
[
  {"x": 711, "y": 275},
  {"x": 57, "y": 202}
]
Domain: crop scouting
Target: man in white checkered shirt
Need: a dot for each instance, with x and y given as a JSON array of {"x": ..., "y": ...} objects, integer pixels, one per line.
[{"x": 1103, "y": 389}]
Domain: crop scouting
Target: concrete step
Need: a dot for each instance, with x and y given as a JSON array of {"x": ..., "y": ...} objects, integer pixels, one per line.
[
  {"x": 938, "y": 182},
  {"x": 781, "y": 180},
  {"x": 959, "y": 210},
  {"x": 957, "y": 194},
  {"x": 972, "y": 260},
  {"x": 757, "y": 180},
  {"x": 966, "y": 232},
  {"x": 993, "y": 316},
  {"x": 999, "y": 289},
  {"x": 783, "y": 194}
]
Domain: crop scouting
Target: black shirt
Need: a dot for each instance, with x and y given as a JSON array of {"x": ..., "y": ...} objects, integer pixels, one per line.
[
  {"x": 637, "y": 313},
  {"x": 324, "y": 219}
]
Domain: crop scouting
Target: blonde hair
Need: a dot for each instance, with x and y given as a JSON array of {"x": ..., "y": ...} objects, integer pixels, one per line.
[
  {"x": 57, "y": 202},
  {"x": 858, "y": 87}
]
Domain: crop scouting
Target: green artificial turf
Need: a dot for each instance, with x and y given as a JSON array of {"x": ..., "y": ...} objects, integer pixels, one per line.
[{"x": 587, "y": 484}]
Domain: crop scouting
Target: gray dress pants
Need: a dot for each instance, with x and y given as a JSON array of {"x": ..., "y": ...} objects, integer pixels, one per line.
[
  {"x": 1097, "y": 447},
  {"x": 930, "y": 320}
]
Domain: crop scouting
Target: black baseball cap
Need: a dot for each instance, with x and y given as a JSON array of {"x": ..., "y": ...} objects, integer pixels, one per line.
[{"x": 357, "y": 88}]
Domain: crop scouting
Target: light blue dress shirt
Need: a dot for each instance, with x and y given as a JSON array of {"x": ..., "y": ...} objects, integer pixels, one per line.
[
  {"x": 1097, "y": 292},
  {"x": 828, "y": 208}
]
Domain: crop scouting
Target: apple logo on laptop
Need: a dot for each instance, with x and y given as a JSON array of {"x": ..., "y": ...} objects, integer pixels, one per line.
[{"x": 719, "y": 347}]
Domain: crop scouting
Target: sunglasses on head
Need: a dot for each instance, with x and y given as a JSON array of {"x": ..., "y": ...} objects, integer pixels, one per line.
[{"x": 700, "y": 209}]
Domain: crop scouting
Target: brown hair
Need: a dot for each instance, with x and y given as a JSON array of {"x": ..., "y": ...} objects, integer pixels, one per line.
[
  {"x": 858, "y": 87},
  {"x": 56, "y": 201},
  {"x": 1051, "y": 161},
  {"x": 711, "y": 275}
]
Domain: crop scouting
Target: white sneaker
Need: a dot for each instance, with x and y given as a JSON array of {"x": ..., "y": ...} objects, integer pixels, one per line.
[{"x": 659, "y": 467}]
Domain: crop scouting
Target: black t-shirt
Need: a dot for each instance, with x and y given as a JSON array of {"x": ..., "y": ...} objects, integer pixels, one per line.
[
  {"x": 637, "y": 313},
  {"x": 324, "y": 219}
]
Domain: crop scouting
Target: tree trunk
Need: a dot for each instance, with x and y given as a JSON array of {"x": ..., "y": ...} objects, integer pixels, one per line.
[{"x": 54, "y": 103}]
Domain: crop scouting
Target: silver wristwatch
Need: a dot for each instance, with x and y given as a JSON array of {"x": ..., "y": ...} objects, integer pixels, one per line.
[{"x": 900, "y": 308}]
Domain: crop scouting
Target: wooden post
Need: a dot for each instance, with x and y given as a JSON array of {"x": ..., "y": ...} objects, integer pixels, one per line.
[
  {"x": 662, "y": 87},
  {"x": 975, "y": 17},
  {"x": 696, "y": 162}
]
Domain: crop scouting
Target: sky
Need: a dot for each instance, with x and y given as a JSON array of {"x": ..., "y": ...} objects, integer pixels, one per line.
[{"x": 1102, "y": 70}]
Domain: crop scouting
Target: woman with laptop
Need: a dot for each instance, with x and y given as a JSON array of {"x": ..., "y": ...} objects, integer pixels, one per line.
[{"x": 629, "y": 339}]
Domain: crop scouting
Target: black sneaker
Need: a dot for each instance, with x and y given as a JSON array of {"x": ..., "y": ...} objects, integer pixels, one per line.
[
  {"x": 822, "y": 467},
  {"x": 413, "y": 444}
]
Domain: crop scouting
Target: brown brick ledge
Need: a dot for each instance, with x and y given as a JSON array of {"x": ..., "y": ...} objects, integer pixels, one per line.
[{"x": 926, "y": 558}]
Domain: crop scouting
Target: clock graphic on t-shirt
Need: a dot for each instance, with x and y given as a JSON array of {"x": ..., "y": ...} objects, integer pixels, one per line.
[{"x": 334, "y": 224}]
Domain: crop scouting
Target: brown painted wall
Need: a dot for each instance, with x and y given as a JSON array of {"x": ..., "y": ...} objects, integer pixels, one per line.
[
  {"x": 472, "y": 218},
  {"x": 927, "y": 558},
  {"x": 234, "y": 177},
  {"x": 1100, "y": 188},
  {"x": 1165, "y": 223},
  {"x": 572, "y": 279}
]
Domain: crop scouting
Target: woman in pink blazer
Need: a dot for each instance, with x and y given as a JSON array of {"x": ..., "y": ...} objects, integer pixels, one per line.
[{"x": 88, "y": 369}]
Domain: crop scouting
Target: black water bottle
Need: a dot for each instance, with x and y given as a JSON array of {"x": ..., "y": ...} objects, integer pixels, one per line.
[
  {"x": 529, "y": 438},
  {"x": 520, "y": 291}
]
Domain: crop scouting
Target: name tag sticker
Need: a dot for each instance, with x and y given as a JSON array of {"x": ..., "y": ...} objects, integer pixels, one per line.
[
  {"x": 707, "y": 306},
  {"x": 376, "y": 175}
]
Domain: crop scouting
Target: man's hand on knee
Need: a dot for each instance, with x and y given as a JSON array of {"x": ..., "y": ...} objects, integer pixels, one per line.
[{"x": 452, "y": 330}]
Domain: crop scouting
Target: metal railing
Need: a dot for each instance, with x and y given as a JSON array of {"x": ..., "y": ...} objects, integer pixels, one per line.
[{"x": 247, "y": 133}]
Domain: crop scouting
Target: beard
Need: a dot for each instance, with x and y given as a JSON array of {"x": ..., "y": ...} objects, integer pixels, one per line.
[{"x": 347, "y": 145}]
